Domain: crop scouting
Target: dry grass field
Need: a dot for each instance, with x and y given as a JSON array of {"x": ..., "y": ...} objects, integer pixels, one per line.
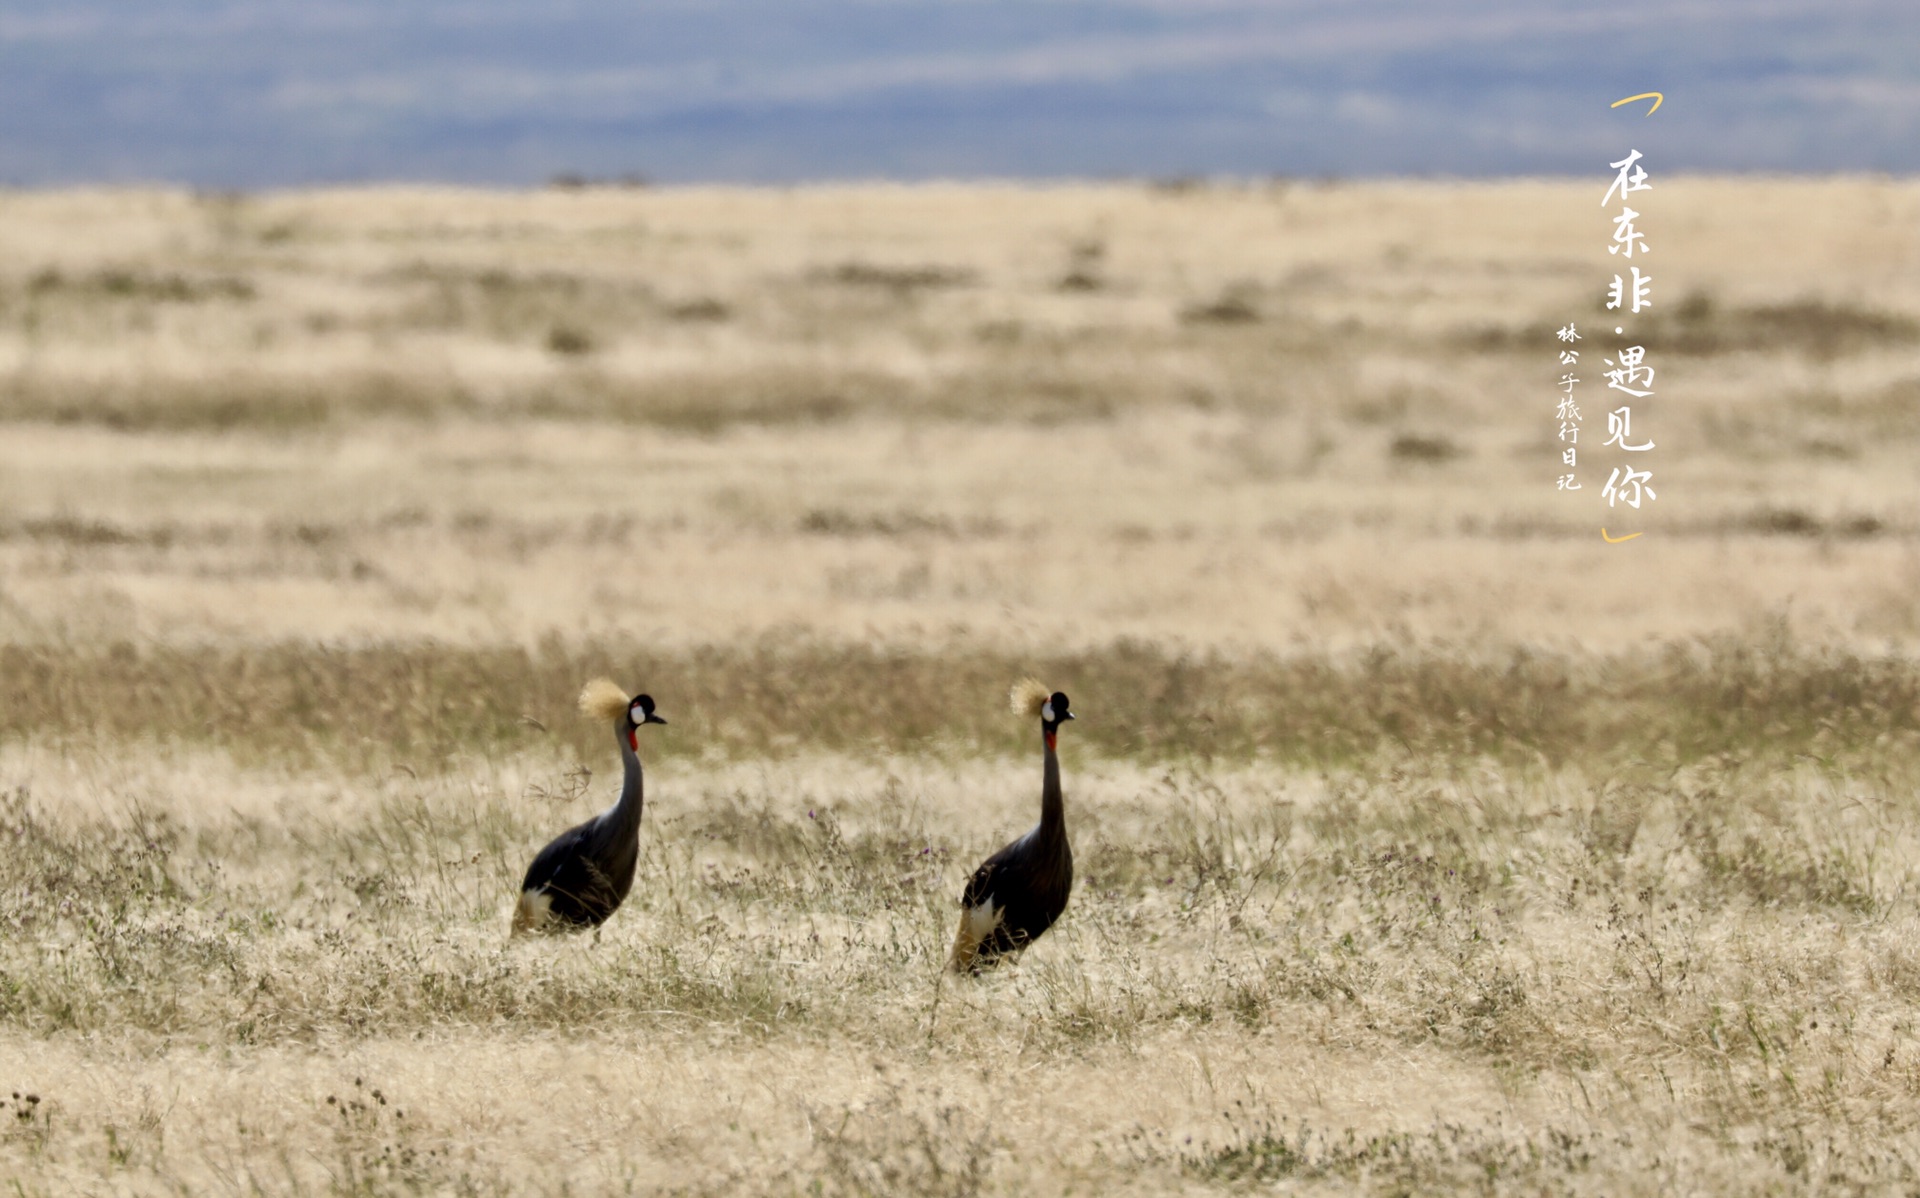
[{"x": 1425, "y": 842}]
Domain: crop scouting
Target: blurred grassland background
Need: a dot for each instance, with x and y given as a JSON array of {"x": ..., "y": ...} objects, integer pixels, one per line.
[{"x": 1425, "y": 841}]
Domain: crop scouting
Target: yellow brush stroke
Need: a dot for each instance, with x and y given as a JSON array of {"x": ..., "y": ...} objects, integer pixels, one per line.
[
  {"x": 1616, "y": 540},
  {"x": 1656, "y": 97}
]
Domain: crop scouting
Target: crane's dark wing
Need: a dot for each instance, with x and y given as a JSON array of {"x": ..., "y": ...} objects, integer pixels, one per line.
[
  {"x": 1002, "y": 871},
  {"x": 1013, "y": 897},
  {"x": 980, "y": 885},
  {"x": 982, "y": 908},
  {"x": 579, "y": 890},
  {"x": 549, "y": 860}
]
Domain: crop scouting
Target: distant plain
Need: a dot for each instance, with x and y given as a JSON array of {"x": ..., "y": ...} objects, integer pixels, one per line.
[{"x": 1426, "y": 841}]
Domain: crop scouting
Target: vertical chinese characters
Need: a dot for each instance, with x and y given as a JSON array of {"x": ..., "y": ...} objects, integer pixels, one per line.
[
  {"x": 1568, "y": 412},
  {"x": 1630, "y": 374}
]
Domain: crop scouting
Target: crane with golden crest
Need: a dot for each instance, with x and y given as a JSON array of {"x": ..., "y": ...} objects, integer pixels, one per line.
[
  {"x": 1020, "y": 891},
  {"x": 585, "y": 873}
]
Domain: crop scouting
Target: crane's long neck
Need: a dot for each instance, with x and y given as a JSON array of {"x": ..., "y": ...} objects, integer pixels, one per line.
[
  {"x": 1053, "y": 806},
  {"x": 625, "y": 814}
]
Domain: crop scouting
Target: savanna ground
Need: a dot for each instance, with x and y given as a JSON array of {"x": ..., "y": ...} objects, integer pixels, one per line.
[{"x": 1425, "y": 841}]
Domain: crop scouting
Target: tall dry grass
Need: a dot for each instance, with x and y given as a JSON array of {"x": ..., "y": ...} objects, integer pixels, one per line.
[
  {"x": 1408, "y": 973},
  {"x": 430, "y": 707},
  {"x": 1425, "y": 842}
]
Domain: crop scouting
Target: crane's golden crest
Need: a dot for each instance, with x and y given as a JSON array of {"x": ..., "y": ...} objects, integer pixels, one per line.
[
  {"x": 602, "y": 699},
  {"x": 1029, "y": 695}
]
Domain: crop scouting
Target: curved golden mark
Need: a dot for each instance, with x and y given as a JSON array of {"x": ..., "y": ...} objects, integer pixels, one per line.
[
  {"x": 1656, "y": 97},
  {"x": 1616, "y": 540}
]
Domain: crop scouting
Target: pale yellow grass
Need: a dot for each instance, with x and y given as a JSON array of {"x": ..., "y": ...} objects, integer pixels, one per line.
[
  {"x": 1156, "y": 525},
  {"x": 969, "y": 422},
  {"x": 1478, "y": 965},
  {"x": 666, "y": 1111},
  {"x": 959, "y": 447}
]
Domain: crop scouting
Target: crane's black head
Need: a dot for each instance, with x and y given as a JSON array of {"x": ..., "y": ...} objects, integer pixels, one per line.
[
  {"x": 1053, "y": 713},
  {"x": 640, "y": 711}
]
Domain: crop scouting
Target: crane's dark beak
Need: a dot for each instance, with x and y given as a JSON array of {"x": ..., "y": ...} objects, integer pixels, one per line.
[
  {"x": 654, "y": 718},
  {"x": 1067, "y": 716}
]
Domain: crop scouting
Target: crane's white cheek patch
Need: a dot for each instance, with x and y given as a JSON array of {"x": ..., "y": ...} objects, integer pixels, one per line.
[{"x": 1046, "y": 712}]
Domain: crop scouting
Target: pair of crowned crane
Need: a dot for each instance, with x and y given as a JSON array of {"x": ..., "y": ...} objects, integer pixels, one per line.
[{"x": 582, "y": 877}]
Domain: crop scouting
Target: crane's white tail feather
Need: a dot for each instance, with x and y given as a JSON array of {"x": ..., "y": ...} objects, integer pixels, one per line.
[
  {"x": 531, "y": 913},
  {"x": 976, "y": 924},
  {"x": 1028, "y": 696},
  {"x": 602, "y": 699}
]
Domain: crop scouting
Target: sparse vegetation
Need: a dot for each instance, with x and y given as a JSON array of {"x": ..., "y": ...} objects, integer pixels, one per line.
[
  {"x": 1424, "y": 842},
  {"x": 1413, "y": 447},
  {"x": 905, "y": 279},
  {"x": 1238, "y": 304}
]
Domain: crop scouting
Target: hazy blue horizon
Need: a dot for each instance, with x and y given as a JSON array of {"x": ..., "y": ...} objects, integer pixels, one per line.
[{"x": 271, "y": 93}]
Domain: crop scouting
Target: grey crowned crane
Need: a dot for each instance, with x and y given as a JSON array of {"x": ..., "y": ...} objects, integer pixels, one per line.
[
  {"x": 585, "y": 873},
  {"x": 1020, "y": 890}
]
